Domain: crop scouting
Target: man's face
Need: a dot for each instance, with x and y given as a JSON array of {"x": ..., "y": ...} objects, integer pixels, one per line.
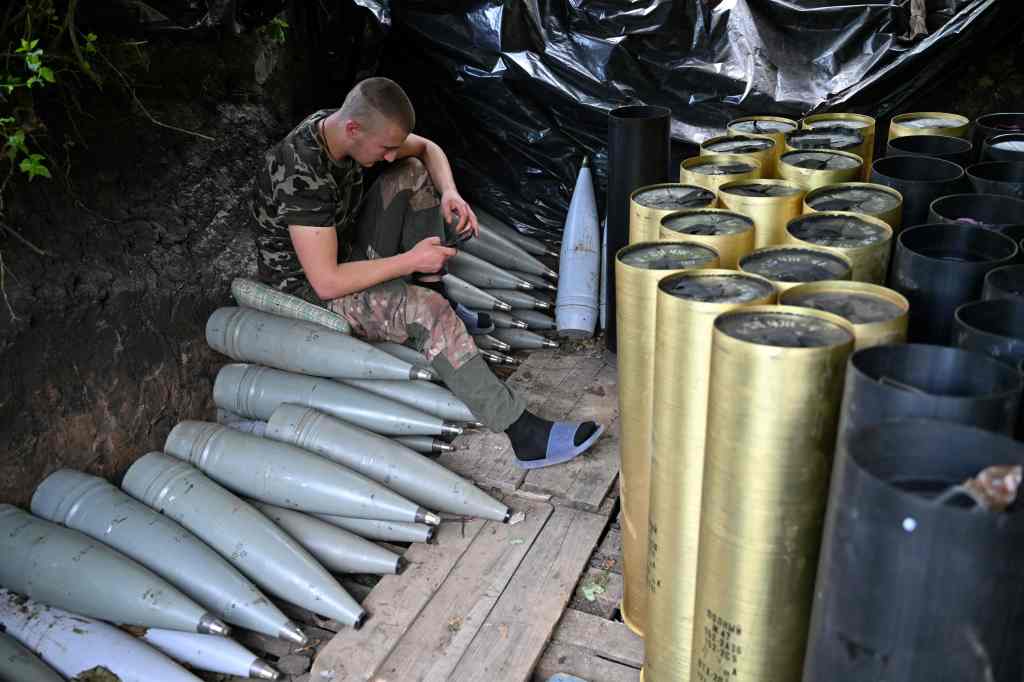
[{"x": 371, "y": 145}]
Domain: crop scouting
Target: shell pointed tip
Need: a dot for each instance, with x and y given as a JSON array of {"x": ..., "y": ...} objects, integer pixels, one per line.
[
  {"x": 501, "y": 305},
  {"x": 291, "y": 632},
  {"x": 432, "y": 519},
  {"x": 360, "y": 620},
  {"x": 421, "y": 374},
  {"x": 401, "y": 563},
  {"x": 508, "y": 515},
  {"x": 519, "y": 324},
  {"x": 451, "y": 429},
  {"x": 209, "y": 625},
  {"x": 586, "y": 163},
  {"x": 261, "y": 670},
  {"x": 548, "y": 343},
  {"x": 553, "y": 253},
  {"x": 525, "y": 286}
]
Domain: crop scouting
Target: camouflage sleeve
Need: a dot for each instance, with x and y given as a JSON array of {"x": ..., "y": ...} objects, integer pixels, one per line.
[{"x": 300, "y": 195}]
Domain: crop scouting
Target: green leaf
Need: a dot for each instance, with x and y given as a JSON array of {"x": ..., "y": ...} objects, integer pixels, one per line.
[
  {"x": 47, "y": 74},
  {"x": 91, "y": 37},
  {"x": 34, "y": 167},
  {"x": 591, "y": 591}
]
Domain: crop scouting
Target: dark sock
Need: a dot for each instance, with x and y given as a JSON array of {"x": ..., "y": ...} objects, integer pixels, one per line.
[
  {"x": 529, "y": 435},
  {"x": 472, "y": 318}
]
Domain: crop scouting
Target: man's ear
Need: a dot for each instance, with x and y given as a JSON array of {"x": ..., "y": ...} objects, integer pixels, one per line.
[{"x": 352, "y": 128}]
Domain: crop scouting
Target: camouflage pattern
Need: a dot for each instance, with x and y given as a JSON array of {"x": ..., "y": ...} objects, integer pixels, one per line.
[
  {"x": 261, "y": 297},
  {"x": 300, "y": 184}
]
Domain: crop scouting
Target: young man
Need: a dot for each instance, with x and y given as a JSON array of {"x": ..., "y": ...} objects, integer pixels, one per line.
[{"x": 319, "y": 238}]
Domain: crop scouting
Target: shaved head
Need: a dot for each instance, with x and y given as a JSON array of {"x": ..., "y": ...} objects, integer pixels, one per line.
[{"x": 374, "y": 99}]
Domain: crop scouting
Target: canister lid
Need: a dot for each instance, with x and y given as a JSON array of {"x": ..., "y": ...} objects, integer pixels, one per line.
[
  {"x": 722, "y": 167},
  {"x": 851, "y": 123},
  {"x": 819, "y": 160},
  {"x": 838, "y": 231},
  {"x": 869, "y": 200},
  {"x": 739, "y": 144},
  {"x": 754, "y": 189},
  {"x": 786, "y": 329},
  {"x": 708, "y": 223},
  {"x": 930, "y": 122},
  {"x": 671, "y": 197},
  {"x": 827, "y": 137},
  {"x": 717, "y": 288},
  {"x": 856, "y": 306},
  {"x": 667, "y": 255},
  {"x": 795, "y": 265},
  {"x": 762, "y": 126}
]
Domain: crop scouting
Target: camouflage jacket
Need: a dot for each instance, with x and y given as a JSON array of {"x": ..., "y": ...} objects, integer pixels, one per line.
[{"x": 300, "y": 184}]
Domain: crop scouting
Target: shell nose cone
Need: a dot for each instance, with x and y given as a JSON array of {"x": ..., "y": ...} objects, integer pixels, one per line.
[
  {"x": 524, "y": 285},
  {"x": 519, "y": 324},
  {"x": 210, "y": 625},
  {"x": 501, "y": 305},
  {"x": 451, "y": 429},
  {"x": 291, "y": 632},
  {"x": 261, "y": 670},
  {"x": 421, "y": 374}
]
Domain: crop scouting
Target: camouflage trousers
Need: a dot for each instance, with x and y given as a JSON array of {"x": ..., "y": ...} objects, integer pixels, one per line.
[{"x": 403, "y": 208}]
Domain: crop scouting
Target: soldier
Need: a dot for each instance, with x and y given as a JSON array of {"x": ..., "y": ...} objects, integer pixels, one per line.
[{"x": 377, "y": 260}]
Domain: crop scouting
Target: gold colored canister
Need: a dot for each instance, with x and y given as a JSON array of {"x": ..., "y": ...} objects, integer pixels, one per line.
[
  {"x": 638, "y": 267},
  {"x": 878, "y": 315},
  {"x": 648, "y": 205},
  {"x": 918, "y": 123},
  {"x": 688, "y": 304},
  {"x": 788, "y": 266},
  {"x": 762, "y": 149},
  {"x": 864, "y": 198},
  {"x": 715, "y": 170},
  {"x": 773, "y": 407},
  {"x": 836, "y": 138},
  {"x": 769, "y": 203},
  {"x": 772, "y": 127},
  {"x": 813, "y": 168},
  {"x": 865, "y": 241},
  {"x": 728, "y": 232},
  {"x": 865, "y": 125}
]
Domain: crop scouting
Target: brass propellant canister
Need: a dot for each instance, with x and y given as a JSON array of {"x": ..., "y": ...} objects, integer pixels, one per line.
[
  {"x": 834, "y": 138},
  {"x": 688, "y": 304},
  {"x": 638, "y": 267},
  {"x": 866, "y": 241},
  {"x": 929, "y": 123},
  {"x": 787, "y": 266},
  {"x": 772, "y": 127},
  {"x": 813, "y": 168},
  {"x": 728, "y": 232},
  {"x": 773, "y": 408},
  {"x": 877, "y": 201},
  {"x": 865, "y": 125},
  {"x": 769, "y": 203},
  {"x": 878, "y": 314},
  {"x": 761, "y": 149},
  {"x": 648, "y": 204},
  {"x": 714, "y": 170}
]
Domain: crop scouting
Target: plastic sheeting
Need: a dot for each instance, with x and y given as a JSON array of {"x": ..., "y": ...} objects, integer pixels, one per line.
[{"x": 517, "y": 91}]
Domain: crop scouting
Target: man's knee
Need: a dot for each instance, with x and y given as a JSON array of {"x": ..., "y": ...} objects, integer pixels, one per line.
[
  {"x": 428, "y": 306},
  {"x": 409, "y": 175}
]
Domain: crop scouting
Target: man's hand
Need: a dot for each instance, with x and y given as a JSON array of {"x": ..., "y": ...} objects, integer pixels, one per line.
[
  {"x": 452, "y": 204},
  {"x": 428, "y": 256}
]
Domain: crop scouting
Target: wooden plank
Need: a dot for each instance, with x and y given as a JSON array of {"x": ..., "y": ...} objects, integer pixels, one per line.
[
  {"x": 565, "y": 658},
  {"x": 585, "y": 481},
  {"x": 512, "y": 638},
  {"x": 608, "y": 639},
  {"x": 608, "y": 555},
  {"x": 393, "y": 605},
  {"x": 432, "y": 646},
  {"x": 605, "y": 589}
]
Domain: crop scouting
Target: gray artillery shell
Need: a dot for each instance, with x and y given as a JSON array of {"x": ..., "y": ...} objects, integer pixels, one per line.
[
  {"x": 410, "y": 355},
  {"x": 505, "y": 255},
  {"x": 488, "y": 342},
  {"x": 479, "y": 272},
  {"x": 537, "y": 282},
  {"x": 95, "y": 507},
  {"x": 68, "y": 569},
  {"x": 423, "y": 395},
  {"x": 339, "y": 550},
  {"x": 256, "y": 392},
  {"x": 296, "y": 346},
  {"x": 18, "y": 663},
  {"x": 404, "y": 471},
  {"x": 493, "y": 357},
  {"x": 519, "y": 300},
  {"x": 385, "y": 531},
  {"x": 241, "y": 534},
  {"x": 259, "y": 296},
  {"x": 424, "y": 444},
  {"x": 240, "y": 423},
  {"x": 285, "y": 475},
  {"x": 470, "y": 296},
  {"x": 490, "y": 223},
  {"x": 520, "y": 339},
  {"x": 506, "y": 321},
  {"x": 206, "y": 652},
  {"x": 537, "y": 321}
]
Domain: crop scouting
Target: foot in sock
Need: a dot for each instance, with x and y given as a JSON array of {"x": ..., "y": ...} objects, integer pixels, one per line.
[
  {"x": 477, "y": 322},
  {"x": 530, "y": 436}
]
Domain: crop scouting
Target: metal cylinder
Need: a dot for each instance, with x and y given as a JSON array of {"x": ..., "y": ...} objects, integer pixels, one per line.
[
  {"x": 483, "y": 274},
  {"x": 520, "y": 300},
  {"x": 985, "y": 210},
  {"x": 772, "y": 127},
  {"x": 997, "y": 177},
  {"x": 878, "y": 315},
  {"x": 686, "y": 308},
  {"x": 577, "y": 301},
  {"x": 537, "y": 321},
  {"x": 928, "y": 123},
  {"x": 788, "y": 266},
  {"x": 769, "y": 203},
  {"x": 910, "y": 381},
  {"x": 729, "y": 233},
  {"x": 990, "y": 125},
  {"x": 18, "y": 663},
  {"x": 865, "y": 125},
  {"x": 955, "y": 149},
  {"x": 834, "y": 138},
  {"x": 714, "y": 170},
  {"x": 259, "y": 296},
  {"x": 385, "y": 531},
  {"x": 1006, "y": 281},
  {"x": 638, "y": 156},
  {"x": 919, "y": 180},
  {"x": 865, "y": 241},
  {"x": 938, "y": 267},
  {"x": 909, "y": 587},
  {"x": 993, "y": 327},
  {"x": 505, "y": 255},
  {"x": 508, "y": 321},
  {"x": 208, "y": 652},
  {"x": 432, "y": 447},
  {"x": 639, "y": 267},
  {"x": 865, "y": 198},
  {"x": 813, "y": 168},
  {"x": 648, "y": 205},
  {"x": 521, "y": 339},
  {"x": 423, "y": 395},
  {"x": 1008, "y": 147},
  {"x": 410, "y": 355},
  {"x": 776, "y": 383},
  {"x": 496, "y": 230},
  {"x": 463, "y": 292},
  {"x": 488, "y": 342},
  {"x": 539, "y": 282},
  {"x": 762, "y": 149}
]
